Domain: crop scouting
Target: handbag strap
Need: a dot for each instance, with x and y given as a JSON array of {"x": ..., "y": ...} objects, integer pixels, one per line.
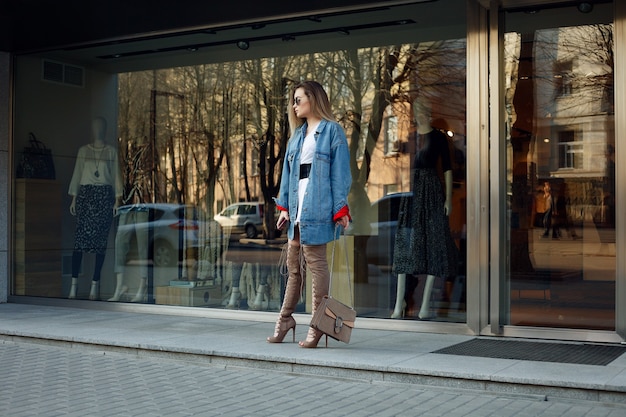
[
  {"x": 35, "y": 143},
  {"x": 332, "y": 264}
]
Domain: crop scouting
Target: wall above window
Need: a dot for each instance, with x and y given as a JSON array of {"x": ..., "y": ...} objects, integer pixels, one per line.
[
  {"x": 327, "y": 28},
  {"x": 41, "y": 24}
]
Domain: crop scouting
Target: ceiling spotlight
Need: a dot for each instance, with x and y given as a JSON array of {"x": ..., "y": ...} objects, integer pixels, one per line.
[
  {"x": 585, "y": 7},
  {"x": 243, "y": 45}
]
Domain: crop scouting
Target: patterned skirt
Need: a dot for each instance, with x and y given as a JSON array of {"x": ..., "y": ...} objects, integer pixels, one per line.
[
  {"x": 423, "y": 243},
  {"x": 94, "y": 215}
]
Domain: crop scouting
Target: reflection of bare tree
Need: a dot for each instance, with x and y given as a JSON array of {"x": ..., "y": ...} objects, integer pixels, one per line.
[
  {"x": 133, "y": 137},
  {"x": 169, "y": 146},
  {"x": 216, "y": 128},
  {"x": 266, "y": 126},
  {"x": 437, "y": 74}
]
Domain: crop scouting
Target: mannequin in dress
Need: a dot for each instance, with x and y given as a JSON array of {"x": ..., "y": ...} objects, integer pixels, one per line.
[
  {"x": 431, "y": 250},
  {"x": 95, "y": 188}
]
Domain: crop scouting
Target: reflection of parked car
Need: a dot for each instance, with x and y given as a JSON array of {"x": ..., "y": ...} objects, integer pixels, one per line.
[
  {"x": 381, "y": 243},
  {"x": 171, "y": 228},
  {"x": 242, "y": 218}
]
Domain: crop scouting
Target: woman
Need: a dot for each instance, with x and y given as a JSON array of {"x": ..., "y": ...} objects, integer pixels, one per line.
[{"x": 313, "y": 197}]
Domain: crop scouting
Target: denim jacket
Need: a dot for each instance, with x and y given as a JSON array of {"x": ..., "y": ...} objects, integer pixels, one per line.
[{"x": 328, "y": 187}]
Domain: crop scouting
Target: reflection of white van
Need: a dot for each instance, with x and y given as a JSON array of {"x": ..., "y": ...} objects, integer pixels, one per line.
[{"x": 242, "y": 218}]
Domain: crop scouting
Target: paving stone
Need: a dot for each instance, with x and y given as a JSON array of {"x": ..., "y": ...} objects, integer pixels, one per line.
[{"x": 77, "y": 378}]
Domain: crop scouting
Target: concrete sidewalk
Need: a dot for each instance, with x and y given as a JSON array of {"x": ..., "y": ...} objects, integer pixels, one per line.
[{"x": 372, "y": 355}]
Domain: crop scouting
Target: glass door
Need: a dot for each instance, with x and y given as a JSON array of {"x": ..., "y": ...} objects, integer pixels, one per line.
[{"x": 560, "y": 168}]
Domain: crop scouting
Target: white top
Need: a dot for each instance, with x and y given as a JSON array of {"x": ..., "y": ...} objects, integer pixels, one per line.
[
  {"x": 96, "y": 166},
  {"x": 306, "y": 157}
]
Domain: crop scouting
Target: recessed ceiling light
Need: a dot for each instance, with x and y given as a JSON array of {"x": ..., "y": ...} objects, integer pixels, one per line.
[{"x": 585, "y": 7}]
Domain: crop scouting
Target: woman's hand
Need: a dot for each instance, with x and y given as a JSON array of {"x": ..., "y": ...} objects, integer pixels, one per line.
[
  {"x": 344, "y": 221},
  {"x": 283, "y": 218}
]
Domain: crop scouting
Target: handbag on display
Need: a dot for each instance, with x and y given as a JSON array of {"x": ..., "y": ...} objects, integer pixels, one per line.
[
  {"x": 332, "y": 317},
  {"x": 36, "y": 161}
]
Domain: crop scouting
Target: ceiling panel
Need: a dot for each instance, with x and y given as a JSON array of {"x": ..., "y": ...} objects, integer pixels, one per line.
[{"x": 319, "y": 31}]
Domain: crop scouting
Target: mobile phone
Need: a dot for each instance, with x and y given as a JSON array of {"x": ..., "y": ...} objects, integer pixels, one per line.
[{"x": 281, "y": 223}]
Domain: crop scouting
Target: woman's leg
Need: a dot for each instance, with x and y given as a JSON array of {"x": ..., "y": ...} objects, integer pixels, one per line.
[
  {"x": 293, "y": 290},
  {"x": 315, "y": 257}
]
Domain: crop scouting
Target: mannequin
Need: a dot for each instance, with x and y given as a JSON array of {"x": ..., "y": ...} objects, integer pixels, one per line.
[
  {"x": 95, "y": 188},
  {"x": 128, "y": 217},
  {"x": 429, "y": 249}
]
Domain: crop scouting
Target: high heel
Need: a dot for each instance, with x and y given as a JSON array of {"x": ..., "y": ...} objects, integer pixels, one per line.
[
  {"x": 312, "y": 339},
  {"x": 283, "y": 325}
]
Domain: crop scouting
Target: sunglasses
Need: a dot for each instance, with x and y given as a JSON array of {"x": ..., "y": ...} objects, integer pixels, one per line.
[{"x": 297, "y": 101}]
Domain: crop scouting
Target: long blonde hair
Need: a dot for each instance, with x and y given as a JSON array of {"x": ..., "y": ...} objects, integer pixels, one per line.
[{"x": 318, "y": 99}]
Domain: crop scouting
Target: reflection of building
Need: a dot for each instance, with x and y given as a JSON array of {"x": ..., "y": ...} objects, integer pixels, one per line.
[
  {"x": 578, "y": 119},
  {"x": 573, "y": 113}
]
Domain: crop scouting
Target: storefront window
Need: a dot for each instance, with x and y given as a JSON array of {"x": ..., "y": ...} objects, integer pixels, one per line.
[
  {"x": 165, "y": 174},
  {"x": 243, "y": 257},
  {"x": 561, "y": 169}
]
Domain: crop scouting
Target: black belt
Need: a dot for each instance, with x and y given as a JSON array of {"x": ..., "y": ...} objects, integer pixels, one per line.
[{"x": 305, "y": 170}]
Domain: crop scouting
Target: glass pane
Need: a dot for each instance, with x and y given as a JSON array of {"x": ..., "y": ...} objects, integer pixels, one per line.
[
  {"x": 430, "y": 76},
  {"x": 561, "y": 171},
  {"x": 205, "y": 128}
]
